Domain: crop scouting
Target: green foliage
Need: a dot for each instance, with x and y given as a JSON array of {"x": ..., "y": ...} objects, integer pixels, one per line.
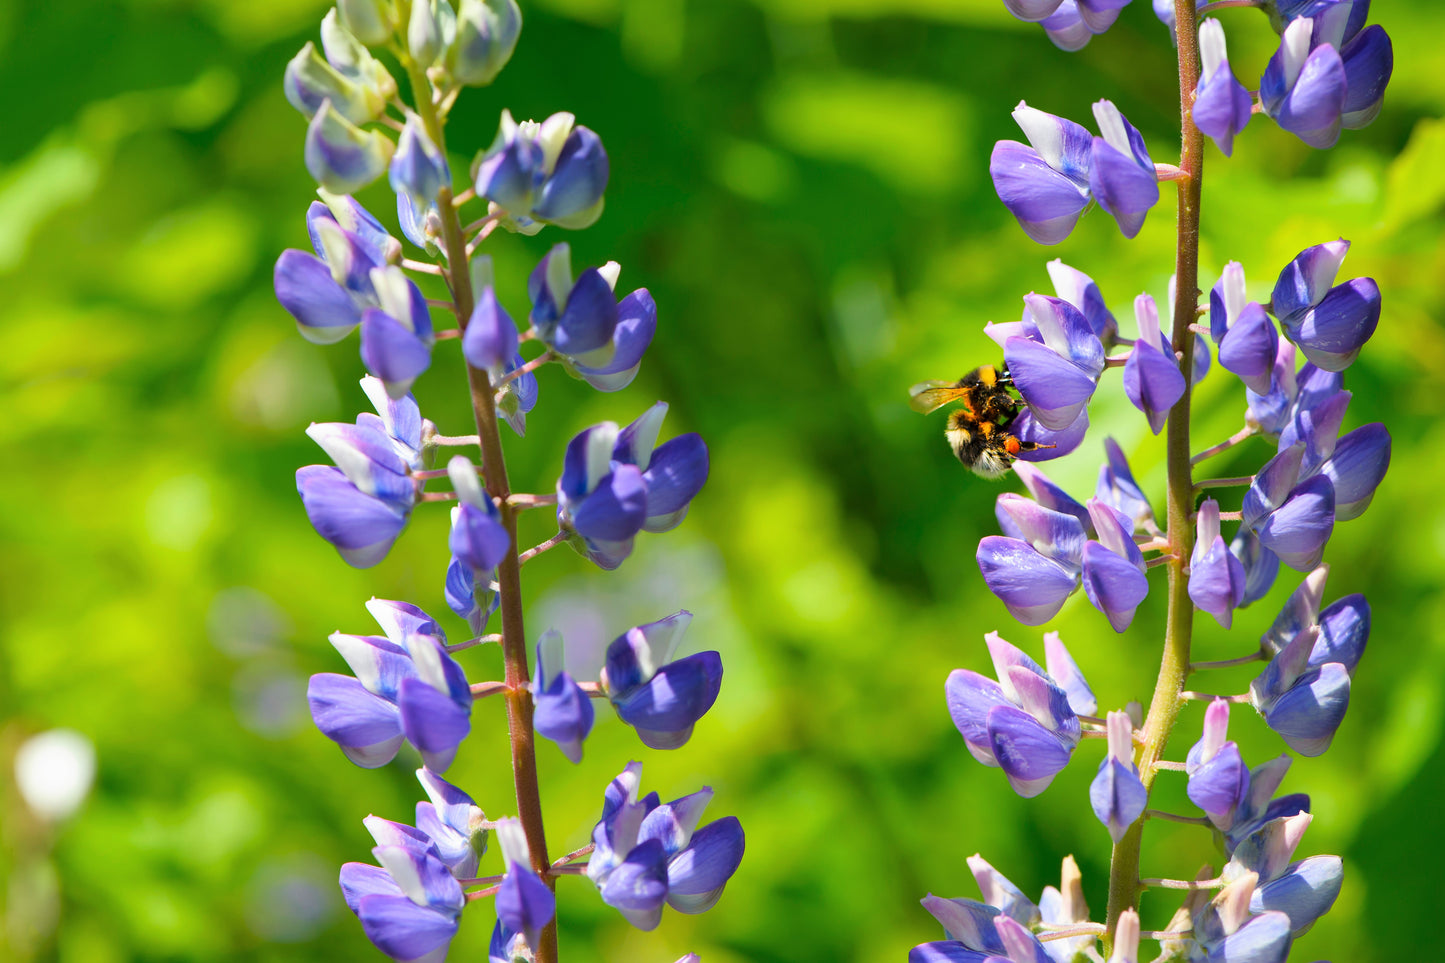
[{"x": 801, "y": 185}]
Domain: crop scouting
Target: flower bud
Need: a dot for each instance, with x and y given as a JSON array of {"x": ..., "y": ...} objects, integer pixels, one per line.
[
  {"x": 368, "y": 20},
  {"x": 342, "y": 157},
  {"x": 486, "y": 35},
  {"x": 1117, "y": 793},
  {"x": 563, "y": 711},
  {"x": 418, "y": 169},
  {"x": 310, "y": 81}
]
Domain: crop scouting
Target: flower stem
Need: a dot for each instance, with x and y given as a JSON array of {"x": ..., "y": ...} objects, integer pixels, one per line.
[
  {"x": 509, "y": 575},
  {"x": 1176, "y": 818},
  {"x": 1243, "y": 434},
  {"x": 1237, "y": 482},
  {"x": 1227, "y": 663},
  {"x": 546, "y": 546},
  {"x": 1164, "y": 707}
]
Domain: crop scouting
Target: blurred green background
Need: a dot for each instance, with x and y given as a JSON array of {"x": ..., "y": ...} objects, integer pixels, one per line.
[{"x": 802, "y": 185}]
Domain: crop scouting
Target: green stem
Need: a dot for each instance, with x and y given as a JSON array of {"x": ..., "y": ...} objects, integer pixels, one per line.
[
  {"x": 1174, "y": 667},
  {"x": 494, "y": 472}
]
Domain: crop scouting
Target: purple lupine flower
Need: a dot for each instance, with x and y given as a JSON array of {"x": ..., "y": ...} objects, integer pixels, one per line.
[
  {"x": 976, "y": 932},
  {"x": 1077, "y": 288},
  {"x": 1114, "y": 574},
  {"x": 1366, "y": 51},
  {"x": 342, "y": 157},
  {"x": 1075, "y": 22},
  {"x": 1037, "y": 564},
  {"x": 617, "y": 482},
  {"x": 600, "y": 339},
  {"x": 660, "y": 697},
  {"x": 1152, "y": 379},
  {"x": 418, "y": 168},
  {"x": 478, "y": 539},
  {"x": 1051, "y": 496},
  {"x": 548, "y": 173},
  {"x": 1218, "y": 777},
  {"x": 1217, "y": 579},
  {"x": 410, "y": 905},
  {"x": 1045, "y": 183},
  {"x": 1227, "y": 932},
  {"x": 1222, "y": 106},
  {"x": 1000, "y": 893},
  {"x": 1065, "y": 906},
  {"x": 1247, "y": 339},
  {"x": 1260, "y": 807},
  {"x": 486, "y": 35},
  {"x": 1292, "y": 517},
  {"x": 1117, "y": 793},
  {"x": 1304, "y": 86},
  {"x": 1027, "y": 722},
  {"x": 563, "y": 711},
  {"x": 1261, "y": 566},
  {"x": 1369, "y": 61},
  {"x": 478, "y": 543},
  {"x": 1118, "y": 489},
  {"x": 1329, "y": 323},
  {"x": 1121, "y": 173},
  {"x": 490, "y": 342},
  {"x": 1304, "y": 892},
  {"x": 507, "y": 946},
  {"x": 362, "y": 505},
  {"x": 1268, "y": 850},
  {"x": 327, "y": 292},
  {"x": 312, "y": 80},
  {"x": 1304, "y": 691},
  {"x": 406, "y": 686},
  {"x": 396, "y": 338},
  {"x": 1054, "y": 357},
  {"x": 647, "y": 853},
  {"x": 456, "y": 825},
  {"x": 525, "y": 904}
]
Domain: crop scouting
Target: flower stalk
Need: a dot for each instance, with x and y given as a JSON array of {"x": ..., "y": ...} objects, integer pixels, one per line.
[{"x": 1124, "y": 883}]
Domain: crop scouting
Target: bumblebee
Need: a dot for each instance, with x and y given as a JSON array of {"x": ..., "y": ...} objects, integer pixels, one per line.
[{"x": 979, "y": 431}]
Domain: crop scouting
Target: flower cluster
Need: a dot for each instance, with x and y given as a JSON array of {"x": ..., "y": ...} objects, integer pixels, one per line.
[
  {"x": 407, "y": 686},
  {"x": 1329, "y": 73}
]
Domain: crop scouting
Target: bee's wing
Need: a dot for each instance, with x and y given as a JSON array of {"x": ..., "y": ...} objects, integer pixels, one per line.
[{"x": 931, "y": 395}]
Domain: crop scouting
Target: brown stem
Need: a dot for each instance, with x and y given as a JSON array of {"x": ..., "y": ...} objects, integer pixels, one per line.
[
  {"x": 1174, "y": 666},
  {"x": 509, "y": 576}
]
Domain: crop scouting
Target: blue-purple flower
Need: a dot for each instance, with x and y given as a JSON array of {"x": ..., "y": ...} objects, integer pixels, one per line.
[
  {"x": 1117, "y": 794},
  {"x": 397, "y": 337},
  {"x": 1247, "y": 340},
  {"x": 618, "y": 482},
  {"x": 342, "y": 157},
  {"x": 1329, "y": 322},
  {"x": 1222, "y": 107},
  {"x": 549, "y": 173},
  {"x": 456, "y": 825},
  {"x": 648, "y": 854},
  {"x": 1077, "y": 288},
  {"x": 1054, "y": 357},
  {"x": 525, "y": 904},
  {"x": 411, "y": 904},
  {"x": 1366, "y": 51},
  {"x": 490, "y": 342},
  {"x": 1036, "y": 564},
  {"x": 1293, "y": 516},
  {"x": 327, "y": 292},
  {"x": 1045, "y": 183},
  {"x": 1225, "y": 931},
  {"x": 362, "y": 505},
  {"x": 478, "y": 543},
  {"x": 1152, "y": 379},
  {"x": 486, "y": 34},
  {"x": 1305, "y": 690},
  {"x": 418, "y": 169},
  {"x": 977, "y": 933},
  {"x": 563, "y": 711},
  {"x": 1218, "y": 777},
  {"x": 1217, "y": 579},
  {"x": 406, "y": 686},
  {"x": 1121, "y": 173},
  {"x": 1113, "y": 570},
  {"x": 598, "y": 338},
  {"x": 1026, "y": 723},
  {"x": 1303, "y": 87},
  {"x": 661, "y": 697}
]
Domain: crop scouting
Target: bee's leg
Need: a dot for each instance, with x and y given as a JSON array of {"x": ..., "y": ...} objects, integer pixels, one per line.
[{"x": 1013, "y": 445}]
